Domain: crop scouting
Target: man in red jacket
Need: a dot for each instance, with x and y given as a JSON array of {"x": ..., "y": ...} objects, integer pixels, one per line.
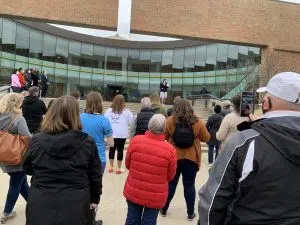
[{"x": 151, "y": 162}]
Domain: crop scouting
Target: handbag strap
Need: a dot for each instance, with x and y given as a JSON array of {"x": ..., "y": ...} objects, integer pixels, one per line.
[{"x": 13, "y": 120}]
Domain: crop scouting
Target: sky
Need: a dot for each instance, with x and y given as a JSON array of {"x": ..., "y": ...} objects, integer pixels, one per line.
[{"x": 124, "y": 19}]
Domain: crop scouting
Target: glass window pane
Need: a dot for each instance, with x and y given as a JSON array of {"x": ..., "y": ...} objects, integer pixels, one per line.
[
  {"x": 222, "y": 56},
  {"x": 111, "y": 51},
  {"x": 1, "y": 24},
  {"x": 178, "y": 60},
  {"x": 232, "y": 59},
  {"x": 167, "y": 59},
  {"x": 22, "y": 40},
  {"x": 85, "y": 82},
  {"x": 145, "y": 56},
  {"x": 62, "y": 50},
  {"x": 200, "y": 61},
  {"x": 74, "y": 52},
  {"x": 36, "y": 44},
  {"x": 99, "y": 55},
  {"x": 189, "y": 59},
  {"x": 49, "y": 48},
  {"x": 133, "y": 61},
  {"x": 97, "y": 80},
  {"x": 156, "y": 57},
  {"x": 87, "y": 59},
  {"x": 123, "y": 53},
  {"x": 9, "y": 36},
  {"x": 73, "y": 79},
  {"x": 211, "y": 57},
  {"x": 243, "y": 57}
]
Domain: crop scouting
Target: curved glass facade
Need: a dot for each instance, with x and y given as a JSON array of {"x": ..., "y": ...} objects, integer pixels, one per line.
[{"x": 73, "y": 65}]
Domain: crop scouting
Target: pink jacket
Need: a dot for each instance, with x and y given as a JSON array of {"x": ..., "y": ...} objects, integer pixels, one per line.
[{"x": 15, "y": 82}]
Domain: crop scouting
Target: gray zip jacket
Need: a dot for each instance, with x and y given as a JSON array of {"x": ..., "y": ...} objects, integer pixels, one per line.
[{"x": 18, "y": 127}]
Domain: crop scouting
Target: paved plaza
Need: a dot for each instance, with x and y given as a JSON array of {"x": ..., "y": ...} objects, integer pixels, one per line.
[{"x": 113, "y": 206}]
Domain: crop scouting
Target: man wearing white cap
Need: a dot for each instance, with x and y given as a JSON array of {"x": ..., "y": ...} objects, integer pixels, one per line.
[{"x": 255, "y": 179}]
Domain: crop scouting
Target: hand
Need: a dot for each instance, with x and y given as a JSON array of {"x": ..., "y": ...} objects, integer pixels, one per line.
[
  {"x": 93, "y": 206},
  {"x": 254, "y": 117}
]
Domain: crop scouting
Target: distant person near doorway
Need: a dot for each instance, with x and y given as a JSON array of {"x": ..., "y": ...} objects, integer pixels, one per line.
[
  {"x": 204, "y": 93},
  {"x": 164, "y": 91},
  {"x": 44, "y": 84}
]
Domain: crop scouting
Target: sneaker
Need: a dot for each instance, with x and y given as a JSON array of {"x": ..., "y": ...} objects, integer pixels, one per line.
[
  {"x": 119, "y": 171},
  {"x": 163, "y": 213},
  {"x": 6, "y": 217},
  {"x": 210, "y": 166},
  {"x": 98, "y": 222},
  {"x": 111, "y": 170},
  {"x": 191, "y": 217}
]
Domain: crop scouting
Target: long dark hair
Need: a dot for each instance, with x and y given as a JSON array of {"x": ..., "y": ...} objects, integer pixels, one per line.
[{"x": 184, "y": 113}]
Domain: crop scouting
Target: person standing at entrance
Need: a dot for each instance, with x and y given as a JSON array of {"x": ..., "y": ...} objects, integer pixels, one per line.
[
  {"x": 120, "y": 119},
  {"x": 44, "y": 84},
  {"x": 164, "y": 91},
  {"x": 185, "y": 131},
  {"x": 213, "y": 124}
]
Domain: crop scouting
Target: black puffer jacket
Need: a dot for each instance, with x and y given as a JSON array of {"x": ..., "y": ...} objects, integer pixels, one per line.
[
  {"x": 33, "y": 110},
  {"x": 213, "y": 124},
  {"x": 142, "y": 120},
  {"x": 66, "y": 178}
]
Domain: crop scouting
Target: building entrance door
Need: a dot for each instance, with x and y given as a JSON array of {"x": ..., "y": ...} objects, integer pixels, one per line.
[{"x": 113, "y": 90}]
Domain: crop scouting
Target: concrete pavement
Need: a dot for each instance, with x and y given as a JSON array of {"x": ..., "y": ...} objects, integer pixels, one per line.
[{"x": 113, "y": 207}]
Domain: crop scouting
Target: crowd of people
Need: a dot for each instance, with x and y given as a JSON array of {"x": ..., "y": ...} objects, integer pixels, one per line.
[
  {"x": 66, "y": 157},
  {"x": 22, "y": 80}
]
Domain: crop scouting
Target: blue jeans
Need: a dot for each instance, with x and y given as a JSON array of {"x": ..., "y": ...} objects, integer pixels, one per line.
[
  {"x": 188, "y": 169},
  {"x": 211, "y": 153},
  {"x": 140, "y": 215},
  {"x": 17, "y": 185}
]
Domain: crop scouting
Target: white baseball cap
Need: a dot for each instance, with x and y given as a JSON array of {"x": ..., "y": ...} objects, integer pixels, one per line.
[{"x": 285, "y": 86}]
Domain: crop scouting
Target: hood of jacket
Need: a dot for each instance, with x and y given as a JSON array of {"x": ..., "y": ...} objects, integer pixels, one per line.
[
  {"x": 63, "y": 144},
  {"x": 156, "y": 107},
  {"x": 5, "y": 120},
  {"x": 147, "y": 110},
  {"x": 30, "y": 100},
  {"x": 283, "y": 134}
]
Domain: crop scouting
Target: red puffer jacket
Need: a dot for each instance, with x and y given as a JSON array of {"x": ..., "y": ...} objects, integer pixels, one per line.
[{"x": 152, "y": 164}]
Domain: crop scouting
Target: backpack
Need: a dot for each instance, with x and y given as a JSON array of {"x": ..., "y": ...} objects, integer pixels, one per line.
[{"x": 183, "y": 136}]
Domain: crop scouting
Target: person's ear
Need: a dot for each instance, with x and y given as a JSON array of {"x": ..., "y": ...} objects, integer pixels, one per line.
[{"x": 266, "y": 104}]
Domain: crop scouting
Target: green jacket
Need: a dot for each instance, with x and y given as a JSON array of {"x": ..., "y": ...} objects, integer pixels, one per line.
[{"x": 159, "y": 109}]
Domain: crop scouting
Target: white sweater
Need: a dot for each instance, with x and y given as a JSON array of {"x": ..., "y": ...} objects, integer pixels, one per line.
[
  {"x": 229, "y": 126},
  {"x": 120, "y": 122}
]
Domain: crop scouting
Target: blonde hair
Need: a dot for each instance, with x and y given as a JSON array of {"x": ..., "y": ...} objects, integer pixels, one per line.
[
  {"x": 155, "y": 99},
  {"x": 11, "y": 103}
]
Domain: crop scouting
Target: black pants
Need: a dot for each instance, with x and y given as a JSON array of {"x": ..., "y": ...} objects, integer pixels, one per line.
[
  {"x": 188, "y": 169},
  {"x": 44, "y": 92},
  {"x": 16, "y": 89},
  {"x": 119, "y": 145}
]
